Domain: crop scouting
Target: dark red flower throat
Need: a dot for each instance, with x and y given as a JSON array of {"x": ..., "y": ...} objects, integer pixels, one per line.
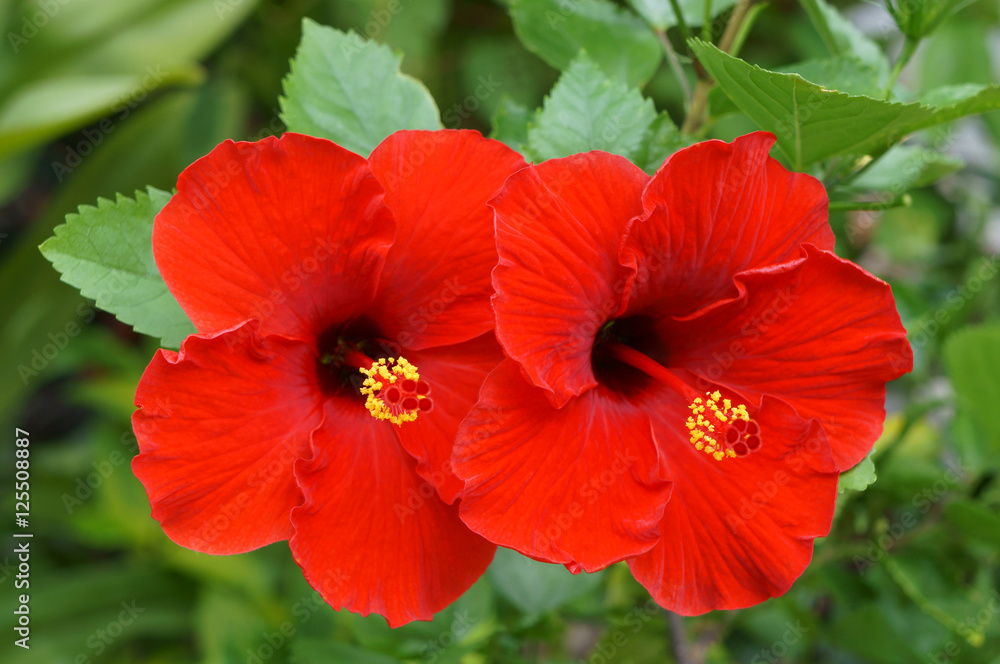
[
  {"x": 355, "y": 360},
  {"x": 625, "y": 363}
]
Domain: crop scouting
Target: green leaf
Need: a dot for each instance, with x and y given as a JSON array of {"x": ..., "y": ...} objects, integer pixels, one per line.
[
  {"x": 588, "y": 111},
  {"x": 956, "y": 101},
  {"x": 903, "y": 168},
  {"x": 858, "y": 478},
  {"x": 93, "y": 57},
  {"x": 510, "y": 124},
  {"x": 660, "y": 14},
  {"x": 351, "y": 91},
  {"x": 536, "y": 587},
  {"x": 842, "y": 73},
  {"x": 107, "y": 252},
  {"x": 812, "y": 123},
  {"x": 662, "y": 140},
  {"x": 48, "y": 108},
  {"x": 842, "y": 38},
  {"x": 972, "y": 358},
  {"x": 618, "y": 41}
]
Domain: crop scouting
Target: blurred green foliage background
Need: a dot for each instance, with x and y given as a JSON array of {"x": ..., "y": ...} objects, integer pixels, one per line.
[{"x": 106, "y": 96}]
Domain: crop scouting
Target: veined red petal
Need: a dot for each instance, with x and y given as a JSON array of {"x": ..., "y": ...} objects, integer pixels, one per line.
[
  {"x": 435, "y": 285},
  {"x": 219, "y": 426},
  {"x": 578, "y": 484},
  {"x": 558, "y": 228},
  {"x": 819, "y": 333},
  {"x": 372, "y": 536},
  {"x": 713, "y": 210},
  {"x": 739, "y": 530},
  {"x": 455, "y": 374},
  {"x": 290, "y": 231}
]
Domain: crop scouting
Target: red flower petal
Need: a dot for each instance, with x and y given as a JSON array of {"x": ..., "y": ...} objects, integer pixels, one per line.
[
  {"x": 558, "y": 228},
  {"x": 287, "y": 231},
  {"x": 738, "y": 531},
  {"x": 455, "y": 374},
  {"x": 715, "y": 209},
  {"x": 219, "y": 425},
  {"x": 578, "y": 484},
  {"x": 435, "y": 286},
  {"x": 372, "y": 536},
  {"x": 820, "y": 333}
]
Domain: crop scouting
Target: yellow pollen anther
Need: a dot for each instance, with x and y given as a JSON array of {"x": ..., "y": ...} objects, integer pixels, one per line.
[
  {"x": 737, "y": 436},
  {"x": 394, "y": 391}
]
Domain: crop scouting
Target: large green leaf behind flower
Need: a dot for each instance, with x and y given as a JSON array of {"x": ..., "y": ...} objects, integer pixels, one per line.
[{"x": 351, "y": 91}]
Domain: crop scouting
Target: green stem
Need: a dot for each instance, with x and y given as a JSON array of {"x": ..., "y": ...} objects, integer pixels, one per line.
[
  {"x": 903, "y": 201},
  {"x": 681, "y": 23},
  {"x": 706, "y": 26},
  {"x": 745, "y": 26},
  {"x": 835, "y": 180},
  {"x": 909, "y": 48},
  {"x": 675, "y": 65},
  {"x": 928, "y": 607},
  {"x": 699, "y": 104},
  {"x": 818, "y": 20},
  {"x": 734, "y": 24}
]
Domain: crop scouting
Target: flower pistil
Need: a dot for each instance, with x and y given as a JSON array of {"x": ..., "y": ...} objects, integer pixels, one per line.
[
  {"x": 725, "y": 432},
  {"x": 395, "y": 391}
]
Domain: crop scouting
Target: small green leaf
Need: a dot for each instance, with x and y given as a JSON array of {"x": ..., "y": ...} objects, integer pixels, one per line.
[
  {"x": 662, "y": 140},
  {"x": 919, "y": 18},
  {"x": 972, "y": 358},
  {"x": 858, "y": 478},
  {"x": 107, "y": 252},
  {"x": 351, "y": 91},
  {"x": 510, "y": 124},
  {"x": 617, "y": 40},
  {"x": 812, "y": 123},
  {"x": 536, "y": 587},
  {"x": 587, "y": 111},
  {"x": 903, "y": 168}
]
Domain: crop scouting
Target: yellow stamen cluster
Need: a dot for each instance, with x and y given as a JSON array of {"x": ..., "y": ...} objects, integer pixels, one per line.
[
  {"x": 382, "y": 374},
  {"x": 708, "y": 422}
]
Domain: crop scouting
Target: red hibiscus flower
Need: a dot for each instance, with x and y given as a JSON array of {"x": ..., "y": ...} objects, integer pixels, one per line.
[
  {"x": 302, "y": 264},
  {"x": 689, "y": 369}
]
